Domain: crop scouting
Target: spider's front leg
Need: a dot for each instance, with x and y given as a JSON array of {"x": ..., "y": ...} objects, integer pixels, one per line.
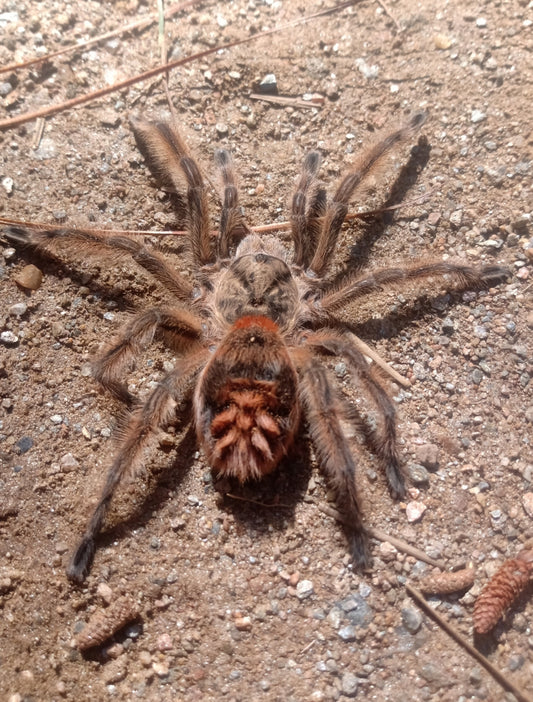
[
  {"x": 179, "y": 329},
  {"x": 168, "y": 400},
  {"x": 457, "y": 276},
  {"x": 323, "y": 412}
]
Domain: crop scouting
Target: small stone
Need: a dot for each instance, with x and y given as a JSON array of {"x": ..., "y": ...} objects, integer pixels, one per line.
[
  {"x": 411, "y": 619},
  {"x": 164, "y": 642},
  {"x": 268, "y": 86},
  {"x": 222, "y": 129},
  {"x": 442, "y": 41},
  {"x": 105, "y": 592},
  {"x": 428, "y": 456},
  {"x": 9, "y": 338},
  {"x": 222, "y": 21},
  {"x": 7, "y": 184},
  {"x": 369, "y": 72},
  {"x": 456, "y": 218},
  {"x": 349, "y": 684},
  {"x": 304, "y": 589},
  {"x": 160, "y": 669},
  {"x": 347, "y": 633},
  {"x": 24, "y": 444},
  {"x": 414, "y": 510},
  {"x": 418, "y": 475},
  {"x": 527, "y": 503},
  {"x": 243, "y": 623},
  {"x": 18, "y": 309},
  {"x": 387, "y": 551},
  {"x": 56, "y": 419},
  {"x": 481, "y": 22},
  {"x": 30, "y": 277},
  {"x": 477, "y": 116},
  {"x": 68, "y": 463}
]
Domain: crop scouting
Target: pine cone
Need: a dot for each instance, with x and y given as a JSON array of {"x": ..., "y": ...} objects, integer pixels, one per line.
[
  {"x": 446, "y": 583},
  {"x": 502, "y": 591},
  {"x": 106, "y": 622}
]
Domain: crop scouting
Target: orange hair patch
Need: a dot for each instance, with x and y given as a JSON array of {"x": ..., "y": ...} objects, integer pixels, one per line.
[{"x": 256, "y": 321}]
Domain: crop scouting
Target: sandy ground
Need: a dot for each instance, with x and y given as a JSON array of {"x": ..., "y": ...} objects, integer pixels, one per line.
[{"x": 240, "y": 601}]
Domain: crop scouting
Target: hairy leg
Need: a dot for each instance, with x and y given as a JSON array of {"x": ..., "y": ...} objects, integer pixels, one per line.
[
  {"x": 323, "y": 412},
  {"x": 308, "y": 204},
  {"x": 112, "y": 249},
  {"x": 170, "y": 162},
  {"x": 167, "y": 401},
  {"x": 382, "y": 437},
  {"x": 232, "y": 223},
  {"x": 369, "y": 162},
  {"x": 457, "y": 276},
  {"x": 179, "y": 329}
]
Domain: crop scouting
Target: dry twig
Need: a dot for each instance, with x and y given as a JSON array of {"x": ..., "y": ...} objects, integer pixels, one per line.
[
  {"x": 402, "y": 546},
  {"x": 158, "y": 70}
]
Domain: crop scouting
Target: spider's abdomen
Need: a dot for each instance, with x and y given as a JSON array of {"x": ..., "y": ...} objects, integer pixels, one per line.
[
  {"x": 257, "y": 284},
  {"x": 245, "y": 408}
]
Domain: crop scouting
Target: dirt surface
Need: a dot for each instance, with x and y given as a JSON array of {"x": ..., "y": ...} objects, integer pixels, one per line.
[{"x": 238, "y": 600}]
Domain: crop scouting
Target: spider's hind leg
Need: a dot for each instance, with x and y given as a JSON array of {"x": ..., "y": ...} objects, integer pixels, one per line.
[
  {"x": 167, "y": 401},
  {"x": 381, "y": 431},
  {"x": 324, "y": 413}
]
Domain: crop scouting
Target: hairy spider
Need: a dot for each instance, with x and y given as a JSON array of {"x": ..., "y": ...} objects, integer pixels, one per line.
[{"x": 250, "y": 334}]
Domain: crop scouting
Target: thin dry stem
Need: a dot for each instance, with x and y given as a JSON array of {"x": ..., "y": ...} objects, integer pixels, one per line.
[
  {"x": 82, "y": 45},
  {"x": 158, "y": 70}
]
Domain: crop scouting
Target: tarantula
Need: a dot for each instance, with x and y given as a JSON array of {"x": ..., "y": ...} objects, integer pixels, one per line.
[{"x": 251, "y": 331}]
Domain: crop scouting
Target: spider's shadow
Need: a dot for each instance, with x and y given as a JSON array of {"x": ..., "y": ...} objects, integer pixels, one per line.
[
  {"x": 257, "y": 506},
  {"x": 271, "y": 502},
  {"x": 373, "y": 228}
]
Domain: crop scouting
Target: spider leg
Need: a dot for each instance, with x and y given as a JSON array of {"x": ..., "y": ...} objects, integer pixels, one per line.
[
  {"x": 169, "y": 160},
  {"x": 117, "y": 248},
  {"x": 462, "y": 277},
  {"x": 179, "y": 329},
  {"x": 308, "y": 204},
  {"x": 232, "y": 221},
  {"x": 324, "y": 412},
  {"x": 163, "y": 404},
  {"x": 382, "y": 436},
  {"x": 367, "y": 163}
]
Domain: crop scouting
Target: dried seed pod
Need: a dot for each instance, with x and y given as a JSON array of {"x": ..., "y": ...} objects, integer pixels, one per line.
[
  {"x": 106, "y": 622},
  {"x": 502, "y": 591},
  {"x": 445, "y": 583}
]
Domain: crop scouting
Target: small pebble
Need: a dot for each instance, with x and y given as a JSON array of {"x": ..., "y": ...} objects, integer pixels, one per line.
[
  {"x": 30, "y": 277},
  {"x": 105, "y": 592},
  {"x": 222, "y": 129},
  {"x": 18, "y": 309},
  {"x": 243, "y": 623},
  {"x": 304, "y": 589},
  {"x": 414, "y": 510},
  {"x": 428, "y": 456},
  {"x": 347, "y": 633},
  {"x": 8, "y": 337},
  {"x": 418, "y": 475},
  {"x": 349, "y": 684},
  {"x": 7, "y": 184},
  {"x": 56, "y": 419},
  {"x": 411, "y": 619},
  {"x": 477, "y": 116},
  {"x": 442, "y": 41}
]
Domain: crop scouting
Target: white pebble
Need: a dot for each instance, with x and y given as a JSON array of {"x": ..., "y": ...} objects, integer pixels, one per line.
[
  {"x": 414, "y": 510},
  {"x": 477, "y": 116},
  {"x": 8, "y": 337}
]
